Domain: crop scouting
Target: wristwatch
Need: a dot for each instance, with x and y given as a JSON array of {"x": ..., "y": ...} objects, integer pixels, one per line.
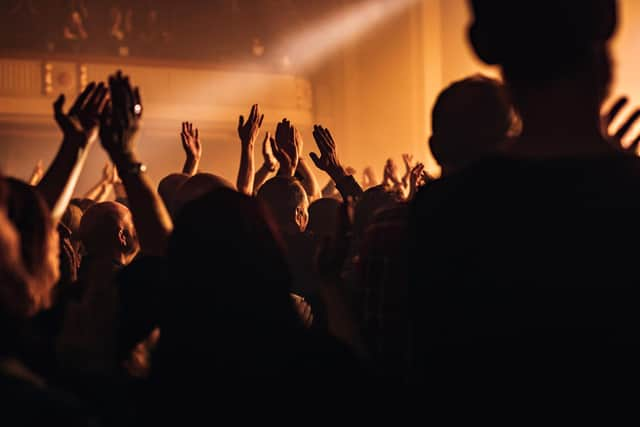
[{"x": 136, "y": 168}]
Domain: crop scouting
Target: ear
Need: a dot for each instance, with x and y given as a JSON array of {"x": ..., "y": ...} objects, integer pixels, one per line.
[
  {"x": 302, "y": 218},
  {"x": 123, "y": 238}
]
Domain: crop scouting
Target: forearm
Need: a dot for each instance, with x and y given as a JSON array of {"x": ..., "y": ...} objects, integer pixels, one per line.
[
  {"x": 245, "y": 180},
  {"x": 191, "y": 165},
  {"x": 105, "y": 192},
  {"x": 59, "y": 182},
  {"x": 346, "y": 184},
  {"x": 150, "y": 216},
  {"x": 262, "y": 175},
  {"x": 95, "y": 191},
  {"x": 310, "y": 182}
]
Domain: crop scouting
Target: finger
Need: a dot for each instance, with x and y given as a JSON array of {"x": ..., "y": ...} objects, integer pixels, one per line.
[
  {"x": 241, "y": 122},
  {"x": 82, "y": 98},
  {"x": 330, "y": 138},
  {"x": 58, "y": 104},
  {"x": 634, "y": 145},
  {"x": 274, "y": 146},
  {"x": 613, "y": 112},
  {"x": 104, "y": 100},
  {"x": 197, "y": 134},
  {"x": 627, "y": 125},
  {"x": 261, "y": 119},
  {"x": 252, "y": 114},
  {"x": 129, "y": 97},
  {"x": 99, "y": 102},
  {"x": 183, "y": 137}
]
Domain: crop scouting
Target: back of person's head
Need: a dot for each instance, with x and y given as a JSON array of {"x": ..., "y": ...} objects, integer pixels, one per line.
[
  {"x": 107, "y": 230},
  {"x": 197, "y": 186},
  {"x": 169, "y": 187},
  {"x": 229, "y": 286},
  {"x": 30, "y": 215},
  {"x": 72, "y": 218},
  {"x": 470, "y": 119},
  {"x": 287, "y": 201},
  {"x": 541, "y": 40},
  {"x": 323, "y": 217},
  {"x": 373, "y": 200}
]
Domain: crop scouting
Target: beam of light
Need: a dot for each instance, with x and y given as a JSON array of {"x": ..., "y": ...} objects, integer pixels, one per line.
[
  {"x": 323, "y": 38},
  {"x": 306, "y": 49}
]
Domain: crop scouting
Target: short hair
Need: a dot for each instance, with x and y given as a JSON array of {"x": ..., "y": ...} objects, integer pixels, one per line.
[
  {"x": 323, "y": 216},
  {"x": 470, "y": 118},
  {"x": 282, "y": 196}
]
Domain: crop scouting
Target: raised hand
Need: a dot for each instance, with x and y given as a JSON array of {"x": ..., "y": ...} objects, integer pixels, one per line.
[
  {"x": 248, "y": 130},
  {"x": 415, "y": 181},
  {"x": 80, "y": 124},
  {"x": 617, "y": 137},
  {"x": 120, "y": 122},
  {"x": 270, "y": 160},
  {"x": 285, "y": 148},
  {"x": 328, "y": 159},
  {"x": 192, "y": 148},
  {"x": 408, "y": 165},
  {"x": 390, "y": 173}
]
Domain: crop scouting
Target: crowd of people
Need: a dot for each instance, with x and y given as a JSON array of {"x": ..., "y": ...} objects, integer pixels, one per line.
[{"x": 515, "y": 269}]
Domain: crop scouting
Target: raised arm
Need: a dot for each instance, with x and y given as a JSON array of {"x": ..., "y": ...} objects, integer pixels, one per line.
[
  {"x": 192, "y": 148},
  {"x": 248, "y": 133},
  {"x": 80, "y": 129},
  {"x": 119, "y": 132},
  {"x": 309, "y": 180},
  {"x": 36, "y": 175},
  {"x": 328, "y": 162},
  {"x": 269, "y": 166}
]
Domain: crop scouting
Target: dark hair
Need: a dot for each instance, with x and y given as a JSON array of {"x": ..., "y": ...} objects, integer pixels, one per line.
[
  {"x": 482, "y": 105},
  {"x": 169, "y": 187},
  {"x": 323, "y": 216},
  {"x": 31, "y": 216},
  {"x": 541, "y": 39}
]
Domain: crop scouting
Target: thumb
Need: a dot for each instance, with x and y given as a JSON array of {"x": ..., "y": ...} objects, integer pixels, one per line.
[
  {"x": 58, "y": 104},
  {"x": 315, "y": 159}
]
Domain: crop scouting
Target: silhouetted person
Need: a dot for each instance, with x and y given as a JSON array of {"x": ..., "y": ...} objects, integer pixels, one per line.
[
  {"x": 521, "y": 277},
  {"x": 230, "y": 334}
]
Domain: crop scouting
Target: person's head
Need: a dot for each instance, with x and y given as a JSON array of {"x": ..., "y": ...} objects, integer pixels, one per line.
[
  {"x": 169, "y": 187},
  {"x": 39, "y": 240},
  {"x": 229, "y": 285},
  {"x": 107, "y": 232},
  {"x": 197, "y": 186},
  {"x": 537, "y": 42},
  {"x": 323, "y": 217},
  {"x": 470, "y": 119},
  {"x": 287, "y": 201},
  {"x": 373, "y": 200}
]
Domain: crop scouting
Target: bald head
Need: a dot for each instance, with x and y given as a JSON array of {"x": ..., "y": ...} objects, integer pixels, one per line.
[{"x": 107, "y": 230}]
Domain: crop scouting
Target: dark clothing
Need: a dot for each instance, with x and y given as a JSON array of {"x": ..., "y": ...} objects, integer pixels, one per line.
[{"x": 525, "y": 270}]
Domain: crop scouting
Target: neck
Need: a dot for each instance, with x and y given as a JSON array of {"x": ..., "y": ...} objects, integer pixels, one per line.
[{"x": 562, "y": 119}]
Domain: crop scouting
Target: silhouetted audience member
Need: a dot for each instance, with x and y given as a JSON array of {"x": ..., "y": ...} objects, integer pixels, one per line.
[{"x": 521, "y": 274}]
